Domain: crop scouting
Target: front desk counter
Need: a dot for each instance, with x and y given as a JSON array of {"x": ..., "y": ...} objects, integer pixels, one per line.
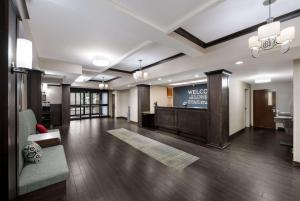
[{"x": 188, "y": 122}]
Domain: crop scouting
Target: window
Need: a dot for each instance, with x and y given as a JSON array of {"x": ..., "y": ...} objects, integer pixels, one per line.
[{"x": 88, "y": 103}]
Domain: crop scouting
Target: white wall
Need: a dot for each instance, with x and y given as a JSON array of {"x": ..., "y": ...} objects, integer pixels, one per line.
[
  {"x": 159, "y": 94},
  {"x": 125, "y": 98},
  {"x": 236, "y": 105},
  {"x": 54, "y": 94},
  {"x": 121, "y": 103},
  {"x": 296, "y": 83},
  {"x": 284, "y": 95},
  {"x": 133, "y": 104}
]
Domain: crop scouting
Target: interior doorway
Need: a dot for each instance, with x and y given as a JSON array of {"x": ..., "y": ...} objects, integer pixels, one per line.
[
  {"x": 247, "y": 108},
  {"x": 264, "y": 108}
]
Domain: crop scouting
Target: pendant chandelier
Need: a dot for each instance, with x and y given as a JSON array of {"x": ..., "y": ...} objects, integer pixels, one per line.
[
  {"x": 269, "y": 35},
  {"x": 102, "y": 85},
  {"x": 139, "y": 74}
]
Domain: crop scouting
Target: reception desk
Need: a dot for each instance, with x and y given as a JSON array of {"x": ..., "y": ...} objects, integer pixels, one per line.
[{"x": 188, "y": 122}]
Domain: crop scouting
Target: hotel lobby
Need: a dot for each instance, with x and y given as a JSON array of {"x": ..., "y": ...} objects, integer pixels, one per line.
[{"x": 114, "y": 100}]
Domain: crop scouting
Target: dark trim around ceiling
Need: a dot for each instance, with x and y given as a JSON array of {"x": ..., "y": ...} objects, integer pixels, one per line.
[
  {"x": 187, "y": 35},
  {"x": 119, "y": 71},
  {"x": 106, "y": 81},
  {"x": 150, "y": 65},
  {"x": 194, "y": 39},
  {"x": 161, "y": 61}
]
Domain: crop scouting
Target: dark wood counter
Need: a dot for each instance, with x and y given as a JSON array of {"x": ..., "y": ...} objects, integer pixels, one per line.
[{"x": 189, "y": 122}]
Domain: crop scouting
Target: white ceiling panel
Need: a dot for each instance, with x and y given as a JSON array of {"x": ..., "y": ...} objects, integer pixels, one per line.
[
  {"x": 231, "y": 16},
  {"x": 149, "y": 54},
  {"x": 162, "y": 13},
  {"x": 77, "y": 31},
  {"x": 103, "y": 77}
]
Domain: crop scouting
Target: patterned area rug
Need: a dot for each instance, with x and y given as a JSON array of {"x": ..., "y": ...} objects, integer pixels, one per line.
[{"x": 165, "y": 154}]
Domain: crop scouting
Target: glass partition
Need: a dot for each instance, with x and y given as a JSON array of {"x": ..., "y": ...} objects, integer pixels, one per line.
[{"x": 88, "y": 103}]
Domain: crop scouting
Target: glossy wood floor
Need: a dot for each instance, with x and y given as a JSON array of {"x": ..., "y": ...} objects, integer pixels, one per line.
[{"x": 254, "y": 168}]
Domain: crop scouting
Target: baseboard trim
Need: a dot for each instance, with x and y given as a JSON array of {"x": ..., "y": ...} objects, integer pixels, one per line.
[
  {"x": 219, "y": 147},
  {"x": 237, "y": 134},
  {"x": 133, "y": 122},
  {"x": 121, "y": 118},
  {"x": 296, "y": 164}
]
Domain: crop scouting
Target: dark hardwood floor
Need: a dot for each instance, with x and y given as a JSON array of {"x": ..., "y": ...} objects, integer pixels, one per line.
[{"x": 102, "y": 167}]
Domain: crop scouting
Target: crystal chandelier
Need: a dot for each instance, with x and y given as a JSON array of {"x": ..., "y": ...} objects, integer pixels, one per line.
[
  {"x": 269, "y": 35},
  {"x": 139, "y": 74},
  {"x": 102, "y": 85}
]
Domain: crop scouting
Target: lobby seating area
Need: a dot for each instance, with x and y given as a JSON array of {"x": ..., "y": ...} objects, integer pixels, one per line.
[
  {"x": 126, "y": 100},
  {"x": 50, "y": 172}
]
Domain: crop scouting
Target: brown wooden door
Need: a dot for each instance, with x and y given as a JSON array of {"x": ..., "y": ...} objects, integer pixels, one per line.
[{"x": 264, "y": 108}]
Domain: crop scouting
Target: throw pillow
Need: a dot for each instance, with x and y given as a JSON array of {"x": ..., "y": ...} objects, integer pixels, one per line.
[
  {"x": 32, "y": 152},
  {"x": 41, "y": 128}
]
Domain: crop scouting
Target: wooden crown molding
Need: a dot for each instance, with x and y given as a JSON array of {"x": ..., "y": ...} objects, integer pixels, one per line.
[
  {"x": 150, "y": 65},
  {"x": 282, "y": 18}
]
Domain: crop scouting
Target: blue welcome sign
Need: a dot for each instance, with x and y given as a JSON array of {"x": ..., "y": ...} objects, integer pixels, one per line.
[{"x": 191, "y": 96}]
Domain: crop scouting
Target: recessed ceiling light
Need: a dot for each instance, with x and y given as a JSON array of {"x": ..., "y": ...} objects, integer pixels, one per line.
[
  {"x": 159, "y": 79},
  {"x": 102, "y": 62},
  {"x": 239, "y": 62},
  {"x": 196, "y": 76},
  {"x": 262, "y": 80},
  {"x": 169, "y": 80},
  {"x": 189, "y": 82}
]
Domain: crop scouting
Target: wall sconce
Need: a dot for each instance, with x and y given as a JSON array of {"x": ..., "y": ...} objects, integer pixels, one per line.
[
  {"x": 44, "y": 87},
  {"x": 24, "y": 56}
]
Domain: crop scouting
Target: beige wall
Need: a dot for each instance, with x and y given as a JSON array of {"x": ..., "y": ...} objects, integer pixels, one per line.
[
  {"x": 296, "y": 90},
  {"x": 54, "y": 94},
  {"x": 159, "y": 94},
  {"x": 121, "y": 101},
  {"x": 284, "y": 96},
  {"x": 236, "y": 105},
  {"x": 133, "y": 104}
]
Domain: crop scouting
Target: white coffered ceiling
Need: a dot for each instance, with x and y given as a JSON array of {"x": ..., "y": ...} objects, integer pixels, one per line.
[
  {"x": 231, "y": 16},
  {"x": 123, "y": 31},
  {"x": 150, "y": 54},
  {"x": 103, "y": 77},
  {"x": 166, "y": 14}
]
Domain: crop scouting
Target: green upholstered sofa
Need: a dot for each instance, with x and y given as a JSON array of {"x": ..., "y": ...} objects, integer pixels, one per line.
[
  {"x": 30, "y": 121},
  {"x": 51, "y": 170}
]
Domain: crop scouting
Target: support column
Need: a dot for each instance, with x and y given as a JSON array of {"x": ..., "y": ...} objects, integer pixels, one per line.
[
  {"x": 218, "y": 108},
  {"x": 296, "y": 111},
  {"x": 65, "y": 105},
  {"x": 143, "y": 101},
  {"x": 34, "y": 93}
]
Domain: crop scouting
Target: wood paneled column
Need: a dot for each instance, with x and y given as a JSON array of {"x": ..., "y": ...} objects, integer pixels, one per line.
[
  {"x": 143, "y": 100},
  {"x": 218, "y": 108},
  {"x": 65, "y": 104},
  {"x": 34, "y": 93}
]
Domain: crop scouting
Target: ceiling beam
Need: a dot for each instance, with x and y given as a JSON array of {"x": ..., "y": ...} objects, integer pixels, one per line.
[{"x": 194, "y": 39}]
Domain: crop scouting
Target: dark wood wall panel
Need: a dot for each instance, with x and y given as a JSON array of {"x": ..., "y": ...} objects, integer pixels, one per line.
[
  {"x": 218, "y": 108},
  {"x": 65, "y": 107},
  {"x": 34, "y": 93},
  {"x": 165, "y": 118},
  {"x": 8, "y": 100},
  {"x": 193, "y": 124},
  {"x": 55, "y": 114},
  {"x": 143, "y": 101},
  {"x": 189, "y": 122}
]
